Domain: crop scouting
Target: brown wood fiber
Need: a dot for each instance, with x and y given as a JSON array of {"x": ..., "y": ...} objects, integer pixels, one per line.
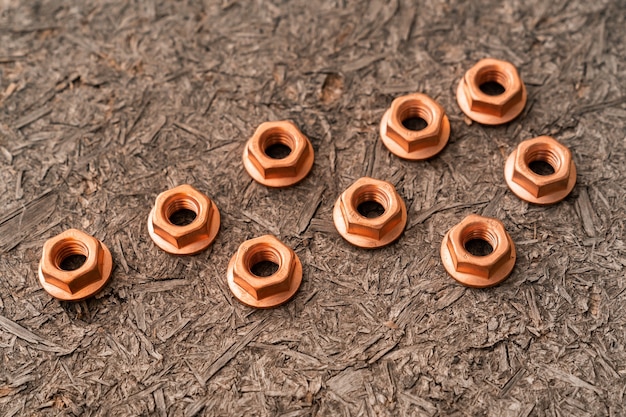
[{"x": 105, "y": 104}]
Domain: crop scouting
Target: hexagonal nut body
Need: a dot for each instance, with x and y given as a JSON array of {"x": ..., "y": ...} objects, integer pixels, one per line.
[
  {"x": 186, "y": 239},
  {"x": 472, "y": 270},
  {"x": 492, "y": 109},
  {"x": 367, "y": 232},
  {"x": 82, "y": 282},
  {"x": 415, "y": 144},
  {"x": 536, "y": 188},
  {"x": 264, "y": 292},
  {"x": 274, "y": 172}
]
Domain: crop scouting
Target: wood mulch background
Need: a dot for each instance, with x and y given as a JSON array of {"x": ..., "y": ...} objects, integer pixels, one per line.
[{"x": 104, "y": 105}]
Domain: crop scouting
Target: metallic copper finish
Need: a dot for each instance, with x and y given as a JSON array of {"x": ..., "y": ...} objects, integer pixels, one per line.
[
  {"x": 535, "y": 188},
  {"x": 82, "y": 282},
  {"x": 370, "y": 232},
  {"x": 278, "y": 172},
  {"x": 478, "y": 271},
  {"x": 491, "y": 109},
  {"x": 415, "y": 144},
  {"x": 188, "y": 239},
  {"x": 264, "y": 292}
]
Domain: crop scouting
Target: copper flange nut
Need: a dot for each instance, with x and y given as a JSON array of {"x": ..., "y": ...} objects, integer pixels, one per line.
[
  {"x": 409, "y": 143},
  {"x": 187, "y": 239},
  {"x": 275, "y": 172},
  {"x": 79, "y": 283},
  {"x": 364, "y": 231},
  {"x": 472, "y": 270},
  {"x": 264, "y": 292},
  {"x": 536, "y": 188},
  {"x": 491, "y": 109}
]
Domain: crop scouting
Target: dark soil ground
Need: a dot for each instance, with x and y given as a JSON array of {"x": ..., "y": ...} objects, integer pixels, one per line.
[{"x": 105, "y": 104}]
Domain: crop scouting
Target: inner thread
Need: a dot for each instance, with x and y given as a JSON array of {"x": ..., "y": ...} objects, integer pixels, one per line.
[
  {"x": 478, "y": 247},
  {"x": 264, "y": 269},
  {"x": 492, "y": 81},
  {"x": 492, "y": 88},
  {"x": 414, "y": 115},
  {"x": 277, "y": 143},
  {"x": 540, "y": 154},
  {"x": 479, "y": 240},
  {"x": 264, "y": 261},
  {"x": 368, "y": 195},
  {"x": 182, "y": 211},
  {"x": 69, "y": 255},
  {"x": 541, "y": 168},
  {"x": 370, "y": 209}
]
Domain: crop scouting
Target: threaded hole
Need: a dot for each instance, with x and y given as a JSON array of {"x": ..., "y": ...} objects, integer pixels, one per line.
[
  {"x": 492, "y": 81},
  {"x": 479, "y": 241},
  {"x": 542, "y": 161},
  {"x": 541, "y": 168},
  {"x": 478, "y": 247},
  {"x": 182, "y": 211},
  {"x": 264, "y": 269},
  {"x": 414, "y": 116},
  {"x": 277, "y": 144},
  {"x": 278, "y": 151},
  {"x": 371, "y": 202},
  {"x": 414, "y": 123},
  {"x": 72, "y": 262},
  {"x": 264, "y": 262},
  {"x": 492, "y": 88},
  {"x": 370, "y": 209},
  {"x": 182, "y": 217},
  {"x": 71, "y": 255}
]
